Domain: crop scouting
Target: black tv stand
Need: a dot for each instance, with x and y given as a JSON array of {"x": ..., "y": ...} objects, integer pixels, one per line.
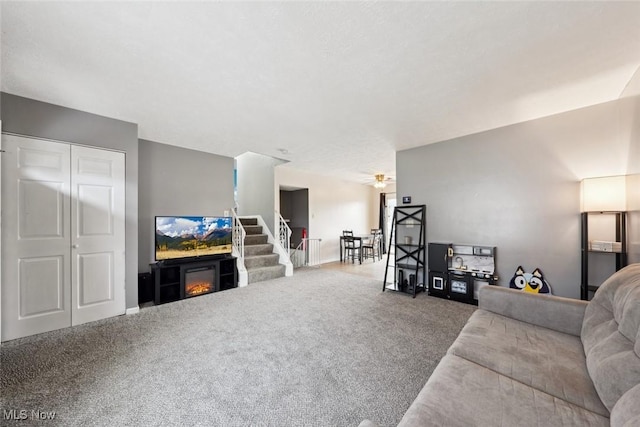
[
  {"x": 170, "y": 275},
  {"x": 204, "y": 258}
]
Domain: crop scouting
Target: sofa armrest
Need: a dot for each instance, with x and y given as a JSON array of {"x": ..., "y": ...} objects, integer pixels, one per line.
[
  {"x": 367, "y": 423},
  {"x": 549, "y": 311}
]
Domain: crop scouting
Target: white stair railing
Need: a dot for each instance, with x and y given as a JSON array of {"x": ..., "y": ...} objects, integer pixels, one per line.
[
  {"x": 284, "y": 233},
  {"x": 238, "y": 249},
  {"x": 307, "y": 253}
]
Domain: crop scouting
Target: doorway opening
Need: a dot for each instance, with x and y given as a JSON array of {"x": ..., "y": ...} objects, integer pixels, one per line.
[
  {"x": 390, "y": 205},
  {"x": 294, "y": 208}
]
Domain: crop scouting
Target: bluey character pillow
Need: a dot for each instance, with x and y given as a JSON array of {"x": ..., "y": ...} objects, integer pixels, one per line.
[{"x": 530, "y": 282}]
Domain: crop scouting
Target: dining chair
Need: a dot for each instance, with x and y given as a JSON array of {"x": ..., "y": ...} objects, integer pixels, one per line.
[
  {"x": 372, "y": 248},
  {"x": 370, "y": 238},
  {"x": 352, "y": 246}
]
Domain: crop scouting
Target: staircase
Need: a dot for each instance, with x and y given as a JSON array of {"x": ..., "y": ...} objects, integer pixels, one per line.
[{"x": 259, "y": 258}]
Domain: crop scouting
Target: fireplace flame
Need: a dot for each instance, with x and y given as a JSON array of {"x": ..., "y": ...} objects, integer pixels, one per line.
[{"x": 197, "y": 288}]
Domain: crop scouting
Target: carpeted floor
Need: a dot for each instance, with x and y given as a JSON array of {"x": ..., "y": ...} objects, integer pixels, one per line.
[{"x": 321, "y": 348}]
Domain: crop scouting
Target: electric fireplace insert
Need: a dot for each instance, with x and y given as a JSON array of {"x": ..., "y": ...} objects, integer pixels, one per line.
[{"x": 199, "y": 280}]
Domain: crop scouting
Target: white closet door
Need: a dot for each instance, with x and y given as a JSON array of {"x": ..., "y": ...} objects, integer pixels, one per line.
[
  {"x": 98, "y": 234},
  {"x": 36, "y": 284},
  {"x": 63, "y": 260}
]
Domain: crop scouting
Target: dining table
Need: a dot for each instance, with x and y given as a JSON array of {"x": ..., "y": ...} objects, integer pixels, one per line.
[{"x": 357, "y": 240}]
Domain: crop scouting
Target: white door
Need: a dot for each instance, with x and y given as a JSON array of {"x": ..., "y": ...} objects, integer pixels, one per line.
[
  {"x": 36, "y": 281},
  {"x": 62, "y": 235},
  {"x": 97, "y": 237}
]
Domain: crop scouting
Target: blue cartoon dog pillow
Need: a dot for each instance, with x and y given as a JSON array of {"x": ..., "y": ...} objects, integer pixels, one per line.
[{"x": 530, "y": 282}]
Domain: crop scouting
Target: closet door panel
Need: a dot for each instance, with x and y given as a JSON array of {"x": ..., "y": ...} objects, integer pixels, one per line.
[
  {"x": 95, "y": 271},
  {"x": 41, "y": 286},
  {"x": 36, "y": 284},
  {"x": 97, "y": 242}
]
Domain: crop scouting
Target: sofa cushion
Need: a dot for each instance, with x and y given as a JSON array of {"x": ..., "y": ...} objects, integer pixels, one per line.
[
  {"x": 549, "y": 361},
  {"x": 549, "y": 311},
  {"x": 627, "y": 410},
  {"x": 462, "y": 393},
  {"x": 610, "y": 335}
]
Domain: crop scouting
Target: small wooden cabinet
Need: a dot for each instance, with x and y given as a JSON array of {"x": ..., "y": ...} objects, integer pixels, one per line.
[{"x": 170, "y": 277}]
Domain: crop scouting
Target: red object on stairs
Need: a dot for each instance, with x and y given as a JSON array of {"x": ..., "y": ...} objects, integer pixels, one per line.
[{"x": 304, "y": 236}]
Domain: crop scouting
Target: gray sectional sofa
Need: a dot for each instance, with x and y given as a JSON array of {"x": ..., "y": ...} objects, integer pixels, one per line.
[{"x": 533, "y": 360}]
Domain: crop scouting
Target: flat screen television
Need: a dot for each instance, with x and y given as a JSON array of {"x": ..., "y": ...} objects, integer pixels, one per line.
[{"x": 192, "y": 236}]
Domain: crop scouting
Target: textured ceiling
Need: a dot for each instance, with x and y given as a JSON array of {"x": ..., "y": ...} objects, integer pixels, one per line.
[{"x": 337, "y": 86}]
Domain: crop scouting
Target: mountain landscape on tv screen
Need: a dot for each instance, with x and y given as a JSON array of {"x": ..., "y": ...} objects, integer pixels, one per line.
[{"x": 178, "y": 237}]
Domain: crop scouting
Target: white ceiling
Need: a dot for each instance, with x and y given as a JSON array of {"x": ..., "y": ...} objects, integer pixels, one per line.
[{"x": 339, "y": 85}]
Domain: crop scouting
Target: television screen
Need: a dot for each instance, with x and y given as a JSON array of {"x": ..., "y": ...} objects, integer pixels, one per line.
[{"x": 192, "y": 236}]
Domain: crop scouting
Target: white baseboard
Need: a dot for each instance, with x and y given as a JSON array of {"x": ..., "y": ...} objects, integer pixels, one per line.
[{"x": 132, "y": 310}]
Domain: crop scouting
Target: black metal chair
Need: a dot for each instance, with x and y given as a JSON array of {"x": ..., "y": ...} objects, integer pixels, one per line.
[
  {"x": 352, "y": 246},
  {"x": 373, "y": 248}
]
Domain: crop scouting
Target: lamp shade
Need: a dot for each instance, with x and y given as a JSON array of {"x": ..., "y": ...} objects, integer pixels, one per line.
[{"x": 603, "y": 194}]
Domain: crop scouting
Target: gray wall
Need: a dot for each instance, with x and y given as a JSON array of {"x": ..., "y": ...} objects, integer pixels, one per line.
[
  {"x": 24, "y": 116},
  {"x": 178, "y": 181},
  {"x": 256, "y": 186},
  {"x": 517, "y": 187},
  {"x": 294, "y": 205}
]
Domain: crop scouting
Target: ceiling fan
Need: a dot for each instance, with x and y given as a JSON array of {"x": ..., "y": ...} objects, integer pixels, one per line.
[
  {"x": 377, "y": 179},
  {"x": 380, "y": 183},
  {"x": 380, "y": 180}
]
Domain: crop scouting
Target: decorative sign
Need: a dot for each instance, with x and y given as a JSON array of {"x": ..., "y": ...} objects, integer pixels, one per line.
[{"x": 406, "y": 199}]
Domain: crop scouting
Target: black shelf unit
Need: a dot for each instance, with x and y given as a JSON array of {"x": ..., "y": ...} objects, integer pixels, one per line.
[
  {"x": 406, "y": 254},
  {"x": 227, "y": 274},
  {"x": 619, "y": 254},
  {"x": 168, "y": 283},
  {"x": 169, "y": 277}
]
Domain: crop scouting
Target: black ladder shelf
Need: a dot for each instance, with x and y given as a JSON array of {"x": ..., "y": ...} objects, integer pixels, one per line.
[
  {"x": 406, "y": 254},
  {"x": 587, "y": 289}
]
